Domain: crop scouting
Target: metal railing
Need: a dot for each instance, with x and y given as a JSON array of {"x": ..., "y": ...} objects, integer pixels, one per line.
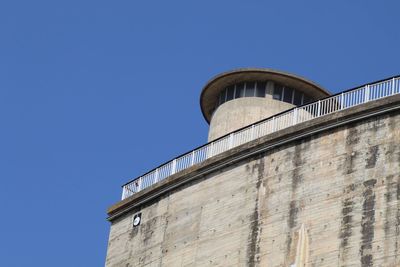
[{"x": 278, "y": 122}]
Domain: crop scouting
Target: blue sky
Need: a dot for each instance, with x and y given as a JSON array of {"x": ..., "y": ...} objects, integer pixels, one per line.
[{"x": 94, "y": 93}]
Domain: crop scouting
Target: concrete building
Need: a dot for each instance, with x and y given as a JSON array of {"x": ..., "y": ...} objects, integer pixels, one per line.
[{"x": 291, "y": 176}]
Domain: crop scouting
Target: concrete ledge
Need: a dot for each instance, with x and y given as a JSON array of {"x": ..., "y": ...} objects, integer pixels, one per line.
[{"x": 265, "y": 143}]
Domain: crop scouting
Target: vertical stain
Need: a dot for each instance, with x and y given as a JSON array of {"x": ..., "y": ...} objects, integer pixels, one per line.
[
  {"x": 397, "y": 219},
  {"x": 292, "y": 222},
  {"x": 253, "y": 249},
  {"x": 297, "y": 179},
  {"x": 373, "y": 154},
  {"x": 349, "y": 163},
  {"x": 346, "y": 223},
  {"x": 352, "y": 137},
  {"x": 392, "y": 123},
  {"x": 164, "y": 241},
  {"x": 398, "y": 189},
  {"x": 293, "y": 210},
  {"x": 148, "y": 230},
  {"x": 297, "y": 162},
  {"x": 390, "y": 154},
  {"x": 390, "y": 192},
  {"x": 297, "y": 159},
  {"x": 367, "y": 224},
  {"x": 388, "y": 200}
]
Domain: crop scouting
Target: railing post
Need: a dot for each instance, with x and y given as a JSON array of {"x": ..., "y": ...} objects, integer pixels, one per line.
[
  {"x": 366, "y": 95},
  {"x": 211, "y": 149},
  {"x": 393, "y": 86},
  {"x": 252, "y": 132},
  {"x": 342, "y": 102},
  {"x": 156, "y": 176},
  {"x": 319, "y": 108},
  {"x": 192, "y": 159},
  {"x": 295, "y": 112},
  {"x": 123, "y": 192},
  {"x": 273, "y": 124},
  {"x": 173, "y": 168},
  {"x": 231, "y": 140},
  {"x": 139, "y": 184}
]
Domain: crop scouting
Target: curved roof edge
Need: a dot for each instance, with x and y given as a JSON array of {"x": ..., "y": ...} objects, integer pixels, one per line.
[{"x": 213, "y": 87}]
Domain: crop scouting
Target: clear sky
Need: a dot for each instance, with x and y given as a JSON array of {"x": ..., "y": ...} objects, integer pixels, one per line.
[{"x": 94, "y": 93}]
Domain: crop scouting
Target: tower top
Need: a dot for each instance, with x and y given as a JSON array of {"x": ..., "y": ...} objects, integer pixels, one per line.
[{"x": 210, "y": 93}]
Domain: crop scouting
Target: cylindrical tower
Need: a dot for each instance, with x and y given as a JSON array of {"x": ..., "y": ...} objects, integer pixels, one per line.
[{"x": 241, "y": 97}]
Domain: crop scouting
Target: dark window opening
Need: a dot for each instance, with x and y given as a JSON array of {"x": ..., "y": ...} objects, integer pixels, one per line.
[
  {"x": 307, "y": 99},
  {"x": 297, "y": 98},
  {"x": 229, "y": 94},
  {"x": 260, "y": 89},
  {"x": 287, "y": 95},
  {"x": 278, "y": 89},
  {"x": 250, "y": 89},
  {"x": 239, "y": 90}
]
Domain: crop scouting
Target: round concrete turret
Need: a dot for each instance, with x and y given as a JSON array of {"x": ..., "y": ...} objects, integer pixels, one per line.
[{"x": 235, "y": 99}]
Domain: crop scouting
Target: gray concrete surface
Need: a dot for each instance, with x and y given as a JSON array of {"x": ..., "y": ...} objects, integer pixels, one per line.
[
  {"x": 240, "y": 112},
  {"x": 337, "y": 176}
]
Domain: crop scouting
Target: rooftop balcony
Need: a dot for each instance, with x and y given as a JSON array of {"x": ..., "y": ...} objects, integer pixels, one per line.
[{"x": 332, "y": 104}]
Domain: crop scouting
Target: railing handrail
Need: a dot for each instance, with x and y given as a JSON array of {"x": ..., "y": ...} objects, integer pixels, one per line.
[{"x": 333, "y": 103}]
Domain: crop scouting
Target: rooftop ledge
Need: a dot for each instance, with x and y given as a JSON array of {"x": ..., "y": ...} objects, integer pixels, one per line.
[
  {"x": 351, "y": 105},
  {"x": 213, "y": 88}
]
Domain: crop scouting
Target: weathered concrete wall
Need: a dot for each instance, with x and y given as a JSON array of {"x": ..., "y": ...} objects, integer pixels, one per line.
[{"x": 342, "y": 185}]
